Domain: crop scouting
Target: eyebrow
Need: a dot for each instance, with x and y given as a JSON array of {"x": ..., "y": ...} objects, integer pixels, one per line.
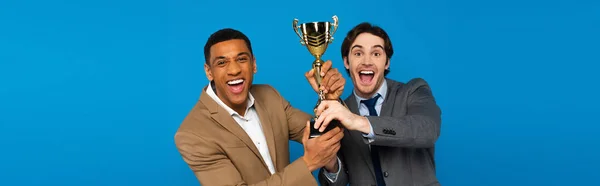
[
  {"x": 244, "y": 53},
  {"x": 217, "y": 58},
  {"x": 359, "y": 46},
  {"x": 356, "y": 46}
]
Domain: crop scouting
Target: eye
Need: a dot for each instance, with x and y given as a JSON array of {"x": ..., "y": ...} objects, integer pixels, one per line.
[
  {"x": 376, "y": 54},
  {"x": 242, "y": 59},
  {"x": 358, "y": 54},
  {"x": 221, "y": 62}
]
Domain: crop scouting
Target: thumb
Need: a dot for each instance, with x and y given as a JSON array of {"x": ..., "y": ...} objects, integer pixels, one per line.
[
  {"x": 306, "y": 133},
  {"x": 311, "y": 79}
]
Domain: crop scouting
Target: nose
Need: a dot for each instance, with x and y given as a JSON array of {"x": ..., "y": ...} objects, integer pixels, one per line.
[
  {"x": 366, "y": 60},
  {"x": 233, "y": 68}
]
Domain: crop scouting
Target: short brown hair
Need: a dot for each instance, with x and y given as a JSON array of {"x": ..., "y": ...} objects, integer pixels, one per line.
[{"x": 366, "y": 27}]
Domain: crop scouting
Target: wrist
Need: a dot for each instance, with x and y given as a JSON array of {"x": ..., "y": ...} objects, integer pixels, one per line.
[
  {"x": 310, "y": 166},
  {"x": 364, "y": 125},
  {"x": 332, "y": 167}
]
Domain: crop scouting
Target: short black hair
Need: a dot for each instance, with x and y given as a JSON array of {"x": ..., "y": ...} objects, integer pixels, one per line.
[
  {"x": 225, "y": 34},
  {"x": 366, "y": 27}
]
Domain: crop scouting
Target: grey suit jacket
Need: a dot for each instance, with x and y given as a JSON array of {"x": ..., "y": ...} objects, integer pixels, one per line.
[{"x": 406, "y": 131}]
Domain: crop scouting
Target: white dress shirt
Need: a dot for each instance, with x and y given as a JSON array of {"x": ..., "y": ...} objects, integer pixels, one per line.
[
  {"x": 251, "y": 125},
  {"x": 364, "y": 111}
]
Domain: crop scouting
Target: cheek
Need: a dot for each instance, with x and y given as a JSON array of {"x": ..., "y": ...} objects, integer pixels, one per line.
[
  {"x": 217, "y": 75},
  {"x": 381, "y": 62},
  {"x": 352, "y": 64}
]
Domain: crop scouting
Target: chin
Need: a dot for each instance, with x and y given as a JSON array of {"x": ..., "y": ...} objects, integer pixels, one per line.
[
  {"x": 365, "y": 90},
  {"x": 239, "y": 99}
]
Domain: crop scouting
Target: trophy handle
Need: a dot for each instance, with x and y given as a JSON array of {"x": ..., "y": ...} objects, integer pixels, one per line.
[
  {"x": 296, "y": 27},
  {"x": 335, "y": 26}
]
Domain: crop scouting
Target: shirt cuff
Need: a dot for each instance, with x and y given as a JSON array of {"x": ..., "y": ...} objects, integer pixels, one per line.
[
  {"x": 332, "y": 177},
  {"x": 371, "y": 135}
]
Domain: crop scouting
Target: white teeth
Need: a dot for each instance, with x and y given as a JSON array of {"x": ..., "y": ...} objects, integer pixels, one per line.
[
  {"x": 235, "y": 82},
  {"x": 367, "y": 72}
]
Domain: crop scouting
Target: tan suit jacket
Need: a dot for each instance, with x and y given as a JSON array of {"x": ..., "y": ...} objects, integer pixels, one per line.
[{"x": 220, "y": 152}]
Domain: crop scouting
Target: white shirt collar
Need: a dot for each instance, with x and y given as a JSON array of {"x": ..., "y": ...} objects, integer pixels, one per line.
[
  {"x": 231, "y": 112},
  {"x": 382, "y": 91}
]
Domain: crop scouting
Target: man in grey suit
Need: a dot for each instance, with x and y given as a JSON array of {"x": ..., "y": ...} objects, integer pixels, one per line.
[{"x": 391, "y": 126}]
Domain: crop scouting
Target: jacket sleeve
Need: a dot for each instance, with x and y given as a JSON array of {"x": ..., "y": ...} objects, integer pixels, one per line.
[
  {"x": 419, "y": 128},
  {"x": 213, "y": 167}
]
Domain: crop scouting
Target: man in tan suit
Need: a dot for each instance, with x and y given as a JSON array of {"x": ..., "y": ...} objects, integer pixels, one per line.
[{"x": 238, "y": 133}]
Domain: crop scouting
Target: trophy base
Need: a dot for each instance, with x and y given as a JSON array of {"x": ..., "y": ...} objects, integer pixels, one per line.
[{"x": 315, "y": 132}]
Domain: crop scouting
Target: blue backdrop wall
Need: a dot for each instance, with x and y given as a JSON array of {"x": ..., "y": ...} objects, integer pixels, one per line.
[{"x": 92, "y": 92}]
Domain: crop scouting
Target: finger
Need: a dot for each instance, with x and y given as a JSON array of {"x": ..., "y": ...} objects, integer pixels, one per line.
[
  {"x": 327, "y": 78},
  {"x": 332, "y": 144},
  {"x": 341, "y": 128},
  {"x": 338, "y": 136},
  {"x": 333, "y": 79},
  {"x": 319, "y": 121},
  {"x": 322, "y": 107},
  {"x": 327, "y": 120},
  {"x": 332, "y": 153},
  {"x": 335, "y": 138},
  {"x": 325, "y": 67},
  {"x": 330, "y": 118},
  {"x": 338, "y": 86},
  {"x": 311, "y": 80},
  {"x": 339, "y": 83},
  {"x": 322, "y": 116},
  {"x": 330, "y": 134},
  {"x": 335, "y": 147}
]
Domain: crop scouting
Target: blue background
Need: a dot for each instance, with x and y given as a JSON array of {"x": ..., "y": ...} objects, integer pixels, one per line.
[{"x": 92, "y": 92}]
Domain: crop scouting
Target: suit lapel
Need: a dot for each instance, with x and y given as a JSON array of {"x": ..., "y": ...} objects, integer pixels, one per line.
[
  {"x": 357, "y": 136},
  {"x": 222, "y": 117},
  {"x": 390, "y": 98},
  {"x": 267, "y": 128}
]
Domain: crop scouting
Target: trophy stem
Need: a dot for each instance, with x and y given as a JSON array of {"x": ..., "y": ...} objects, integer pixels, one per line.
[
  {"x": 317, "y": 67},
  {"x": 317, "y": 64}
]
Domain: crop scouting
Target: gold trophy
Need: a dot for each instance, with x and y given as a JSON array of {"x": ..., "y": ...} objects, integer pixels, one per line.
[{"x": 316, "y": 36}]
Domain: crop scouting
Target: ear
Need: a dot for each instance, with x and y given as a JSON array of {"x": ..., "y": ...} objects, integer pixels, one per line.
[
  {"x": 346, "y": 63},
  {"x": 387, "y": 64},
  {"x": 208, "y": 73},
  {"x": 254, "y": 63}
]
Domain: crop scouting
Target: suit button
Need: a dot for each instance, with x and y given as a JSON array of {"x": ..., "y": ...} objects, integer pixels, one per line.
[{"x": 385, "y": 174}]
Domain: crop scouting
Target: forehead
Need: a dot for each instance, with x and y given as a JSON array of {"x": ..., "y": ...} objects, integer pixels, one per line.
[
  {"x": 228, "y": 48},
  {"x": 368, "y": 40}
]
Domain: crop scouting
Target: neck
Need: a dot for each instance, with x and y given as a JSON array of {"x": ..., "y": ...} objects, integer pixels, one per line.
[
  {"x": 365, "y": 95},
  {"x": 241, "y": 110}
]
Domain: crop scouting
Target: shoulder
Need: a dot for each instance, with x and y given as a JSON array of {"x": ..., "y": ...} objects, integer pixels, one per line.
[
  {"x": 410, "y": 86},
  {"x": 414, "y": 88},
  {"x": 196, "y": 121},
  {"x": 417, "y": 82}
]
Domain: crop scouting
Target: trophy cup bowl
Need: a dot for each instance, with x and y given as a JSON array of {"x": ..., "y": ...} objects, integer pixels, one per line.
[{"x": 316, "y": 36}]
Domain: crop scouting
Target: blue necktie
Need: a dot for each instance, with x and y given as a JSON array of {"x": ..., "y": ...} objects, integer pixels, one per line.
[{"x": 370, "y": 103}]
